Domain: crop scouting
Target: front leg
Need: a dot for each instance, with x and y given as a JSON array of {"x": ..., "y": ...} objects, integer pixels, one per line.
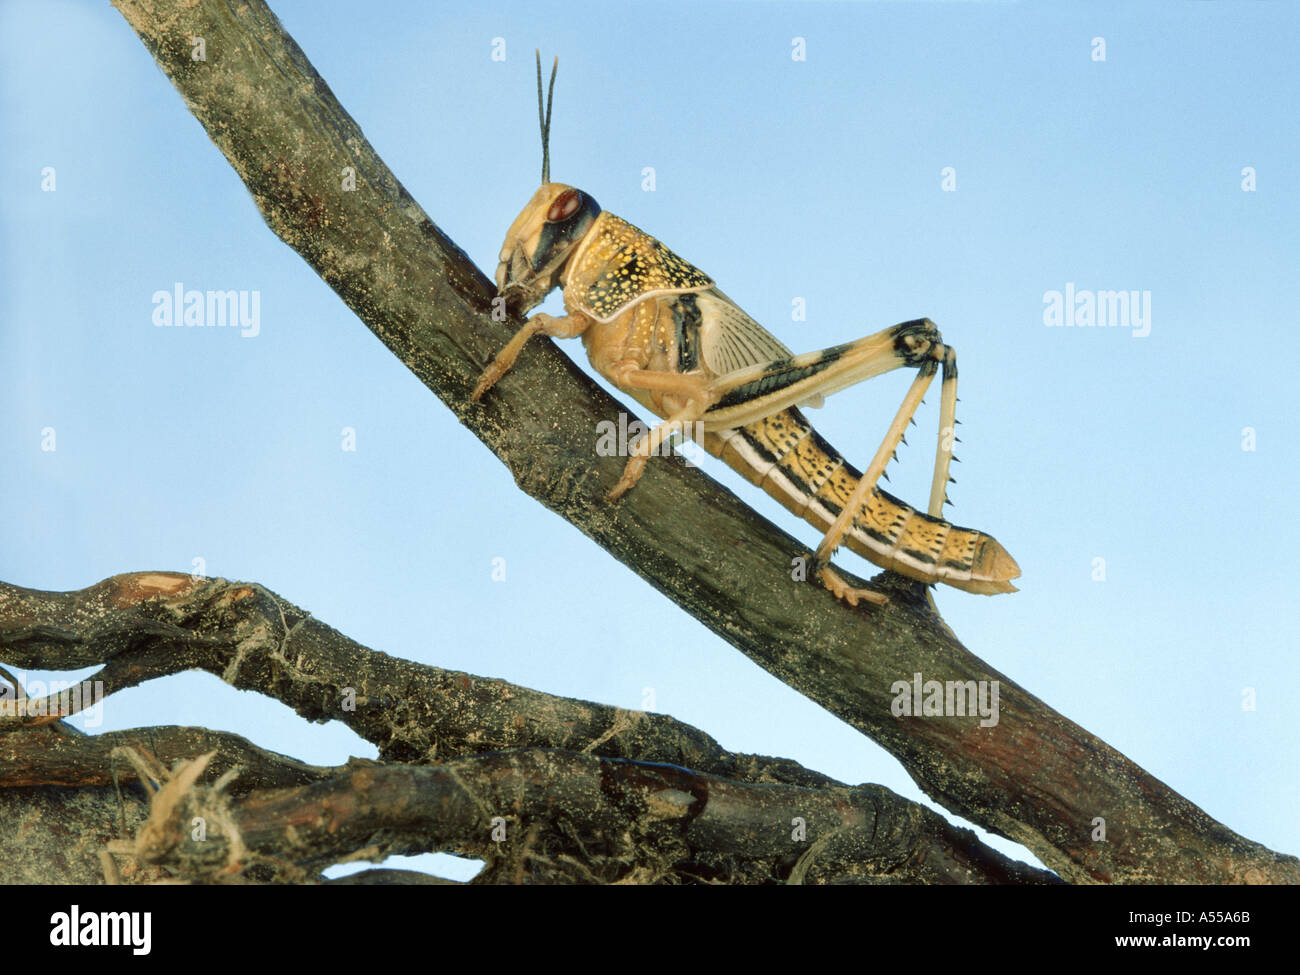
[{"x": 561, "y": 328}]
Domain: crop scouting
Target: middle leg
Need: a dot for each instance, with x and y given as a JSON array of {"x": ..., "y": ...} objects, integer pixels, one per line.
[{"x": 693, "y": 388}]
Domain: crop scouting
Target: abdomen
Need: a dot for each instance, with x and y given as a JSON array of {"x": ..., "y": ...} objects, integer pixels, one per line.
[{"x": 789, "y": 460}]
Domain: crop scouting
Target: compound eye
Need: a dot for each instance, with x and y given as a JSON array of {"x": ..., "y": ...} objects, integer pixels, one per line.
[{"x": 564, "y": 206}]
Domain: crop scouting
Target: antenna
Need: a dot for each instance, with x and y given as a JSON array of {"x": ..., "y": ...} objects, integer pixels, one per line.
[{"x": 545, "y": 120}]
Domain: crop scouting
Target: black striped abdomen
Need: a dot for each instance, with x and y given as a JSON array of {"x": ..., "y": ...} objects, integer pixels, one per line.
[{"x": 786, "y": 457}]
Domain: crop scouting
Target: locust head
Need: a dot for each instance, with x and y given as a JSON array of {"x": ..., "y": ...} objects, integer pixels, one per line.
[
  {"x": 543, "y": 238},
  {"x": 540, "y": 242}
]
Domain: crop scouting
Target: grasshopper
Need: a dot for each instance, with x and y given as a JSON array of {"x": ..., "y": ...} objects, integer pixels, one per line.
[{"x": 658, "y": 328}]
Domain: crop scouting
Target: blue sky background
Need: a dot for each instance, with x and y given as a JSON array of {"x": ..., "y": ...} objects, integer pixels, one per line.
[{"x": 818, "y": 179}]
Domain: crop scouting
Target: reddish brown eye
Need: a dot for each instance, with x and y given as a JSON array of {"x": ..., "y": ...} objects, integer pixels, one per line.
[{"x": 564, "y": 206}]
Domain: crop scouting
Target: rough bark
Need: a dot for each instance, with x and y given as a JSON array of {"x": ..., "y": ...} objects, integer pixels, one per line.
[
  {"x": 1036, "y": 777},
  {"x": 550, "y": 816},
  {"x": 584, "y": 792}
]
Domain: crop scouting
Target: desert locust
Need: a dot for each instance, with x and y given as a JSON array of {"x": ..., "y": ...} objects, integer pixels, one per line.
[{"x": 659, "y": 328}]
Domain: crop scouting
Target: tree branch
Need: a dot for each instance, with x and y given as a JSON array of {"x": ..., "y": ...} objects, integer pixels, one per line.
[
  {"x": 1036, "y": 777},
  {"x": 542, "y": 816},
  {"x": 578, "y": 808}
]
